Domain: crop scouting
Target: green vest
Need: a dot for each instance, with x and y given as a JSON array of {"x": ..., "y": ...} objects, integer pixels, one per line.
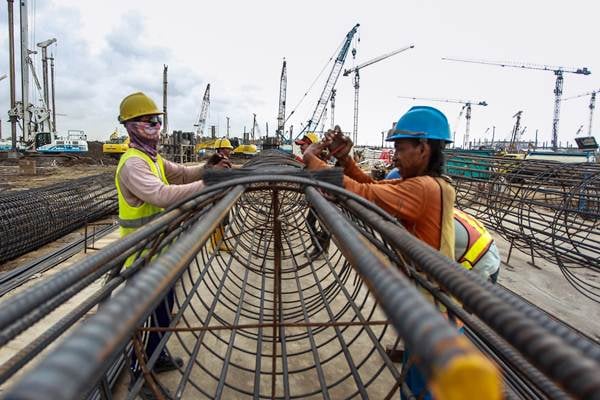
[{"x": 132, "y": 218}]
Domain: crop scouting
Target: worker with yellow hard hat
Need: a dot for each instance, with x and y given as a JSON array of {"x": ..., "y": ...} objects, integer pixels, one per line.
[
  {"x": 146, "y": 184},
  {"x": 224, "y": 147},
  {"x": 306, "y": 140}
]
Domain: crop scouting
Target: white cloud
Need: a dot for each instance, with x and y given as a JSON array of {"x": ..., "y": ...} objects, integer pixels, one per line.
[{"x": 109, "y": 49}]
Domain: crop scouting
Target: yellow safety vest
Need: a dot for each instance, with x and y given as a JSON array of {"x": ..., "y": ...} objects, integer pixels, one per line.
[
  {"x": 130, "y": 217},
  {"x": 479, "y": 239}
]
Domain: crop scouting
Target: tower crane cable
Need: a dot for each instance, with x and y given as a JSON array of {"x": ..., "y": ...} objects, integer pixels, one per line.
[
  {"x": 314, "y": 82},
  {"x": 334, "y": 74}
]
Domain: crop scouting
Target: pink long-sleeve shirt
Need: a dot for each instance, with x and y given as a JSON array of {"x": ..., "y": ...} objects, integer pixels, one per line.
[{"x": 139, "y": 185}]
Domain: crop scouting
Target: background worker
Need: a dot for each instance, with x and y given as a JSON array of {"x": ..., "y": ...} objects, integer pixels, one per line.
[
  {"x": 223, "y": 149},
  {"x": 474, "y": 246},
  {"x": 146, "y": 184},
  {"x": 320, "y": 239},
  {"x": 423, "y": 200}
]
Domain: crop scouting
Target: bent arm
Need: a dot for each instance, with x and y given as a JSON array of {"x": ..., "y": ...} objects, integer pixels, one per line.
[
  {"x": 139, "y": 184},
  {"x": 180, "y": 174}
]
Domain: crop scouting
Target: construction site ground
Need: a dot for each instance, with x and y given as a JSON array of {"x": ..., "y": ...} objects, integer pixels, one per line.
[{"x": 542, "y": 284}]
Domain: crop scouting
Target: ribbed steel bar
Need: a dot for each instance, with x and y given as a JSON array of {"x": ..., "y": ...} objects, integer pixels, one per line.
[
  {"x": 545, "y": 351},
  {"x": 32, "y": 218},
  {"x": 549, "y": 210},
  {"x": 326, "y": 320},
  {"x": 73, "y": 363}
]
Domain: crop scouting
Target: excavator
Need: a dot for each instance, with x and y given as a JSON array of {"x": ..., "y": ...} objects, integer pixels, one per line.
[{"x": 116, "y": 145}]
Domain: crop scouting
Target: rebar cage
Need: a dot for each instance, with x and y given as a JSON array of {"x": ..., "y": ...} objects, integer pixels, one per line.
[{"x": 253, "y": 316}]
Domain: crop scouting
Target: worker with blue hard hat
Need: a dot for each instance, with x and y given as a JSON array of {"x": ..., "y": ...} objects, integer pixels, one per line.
[{"x": 423, "y": 200}]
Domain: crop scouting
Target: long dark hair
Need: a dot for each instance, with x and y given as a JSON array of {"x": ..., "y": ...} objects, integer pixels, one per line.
[{"x": 436, "y": 157}]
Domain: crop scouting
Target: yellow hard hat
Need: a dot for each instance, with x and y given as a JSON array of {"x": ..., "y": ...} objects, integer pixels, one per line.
[
  {"x": 311, "y": 136},
  {"x": 135, "y": 105},
  {"x": 223, "y": 144}
]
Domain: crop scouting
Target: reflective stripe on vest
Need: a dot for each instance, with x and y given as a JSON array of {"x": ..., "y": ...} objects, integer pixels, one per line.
[
  {"x": 132, "y": 218},
  {"x": 479, "y": 239}
]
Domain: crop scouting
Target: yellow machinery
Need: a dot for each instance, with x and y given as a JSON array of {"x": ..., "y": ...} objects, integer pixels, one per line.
[
  {"x": 116, "y": 145},
  {"x": 245, "y": 150}
]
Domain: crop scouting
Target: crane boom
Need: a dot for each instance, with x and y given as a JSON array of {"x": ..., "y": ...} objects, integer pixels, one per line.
[
  {"x": 314, "y": 120},
  {"x": 582, "y": 71},
  {"x": 282, "y": 96},
  {"x": 476, "y": 103},
  {"x": 581, "y": 95},
  {"x": 377, "y": 59},
  {"x": 203, "y": 113},
  {"x": 558, "y": 86},
  {"x": 592, "y": 106}
]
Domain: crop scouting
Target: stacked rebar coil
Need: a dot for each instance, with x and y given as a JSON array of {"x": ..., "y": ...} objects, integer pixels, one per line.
[
  {"x": 32, "y": 218},
  {"x": 547, "y": 209},
  {"x": 263, "y": 320}
]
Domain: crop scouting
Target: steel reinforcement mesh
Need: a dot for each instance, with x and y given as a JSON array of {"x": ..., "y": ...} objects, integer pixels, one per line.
[
  {"x": 262, "y": 319},
  {"x": 546, "y": 209},
  {"x": 32, "y": 218}
]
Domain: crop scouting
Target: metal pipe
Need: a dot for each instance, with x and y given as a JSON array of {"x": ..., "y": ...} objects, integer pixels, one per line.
[
  {"x": 53, "y": 98},
  {"x": 11, "y": 49},
  {"x": 25, "y": 70}
]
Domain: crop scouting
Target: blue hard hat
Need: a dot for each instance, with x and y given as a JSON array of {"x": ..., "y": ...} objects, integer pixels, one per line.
[
  {"x": 421, "y": 122},
  {"x": 393, "y": 174}
]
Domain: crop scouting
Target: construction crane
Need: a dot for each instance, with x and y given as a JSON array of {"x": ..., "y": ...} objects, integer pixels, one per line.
[
  {"x": 44, "y": 46},
  {"x": 314, "y": 120},
  {"x": 332, "y": 104},
  {"x": 203, "y": 113},
  {"x": 516, "y": 133},
  {"x": 466, "y": 105},
  {"x": 558, "y": 87},
  {"x": 592, "y": 105},
  {"x": 282, "y": 96},
  {"x": 357, "y": 83}
]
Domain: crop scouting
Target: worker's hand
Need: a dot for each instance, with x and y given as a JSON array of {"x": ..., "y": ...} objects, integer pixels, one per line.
[
  {"x": 315, "y": 149},
  {"x": 339, "y": 145},
  {"x": 218, "y": 161},
  {"x": 223, "y": 163}
]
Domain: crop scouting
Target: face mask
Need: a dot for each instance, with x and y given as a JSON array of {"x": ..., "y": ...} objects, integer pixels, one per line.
[{"x": 144, "y": 136}]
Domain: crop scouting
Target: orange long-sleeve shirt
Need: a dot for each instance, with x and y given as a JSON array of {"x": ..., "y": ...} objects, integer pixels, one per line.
[{"x": 416, "y": 202}]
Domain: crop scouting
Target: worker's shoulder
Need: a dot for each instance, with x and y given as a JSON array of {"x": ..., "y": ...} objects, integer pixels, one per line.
[{"x": 132, "y": 164}]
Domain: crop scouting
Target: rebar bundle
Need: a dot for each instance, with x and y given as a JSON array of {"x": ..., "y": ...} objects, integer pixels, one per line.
[
  {"x": 261, "y": 319},
  {"x": 32, "y": 218},
  {"x": 547, "y": 209}
]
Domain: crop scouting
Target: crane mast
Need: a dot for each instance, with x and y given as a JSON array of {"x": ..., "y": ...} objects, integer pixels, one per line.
[
  {"x": 332, "y": 101},
  {"x": 514, "y": 138},
  {"x": 558, "y": 86},
  {"x": 203, "y": 113},
  {"x": 357, "y": 83},
  {"x": 466, "y": 106},
  {"x": 591, "y": 106},
  {"x": 314, "y": 120},
  {"x": 282, "y": 96}
]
